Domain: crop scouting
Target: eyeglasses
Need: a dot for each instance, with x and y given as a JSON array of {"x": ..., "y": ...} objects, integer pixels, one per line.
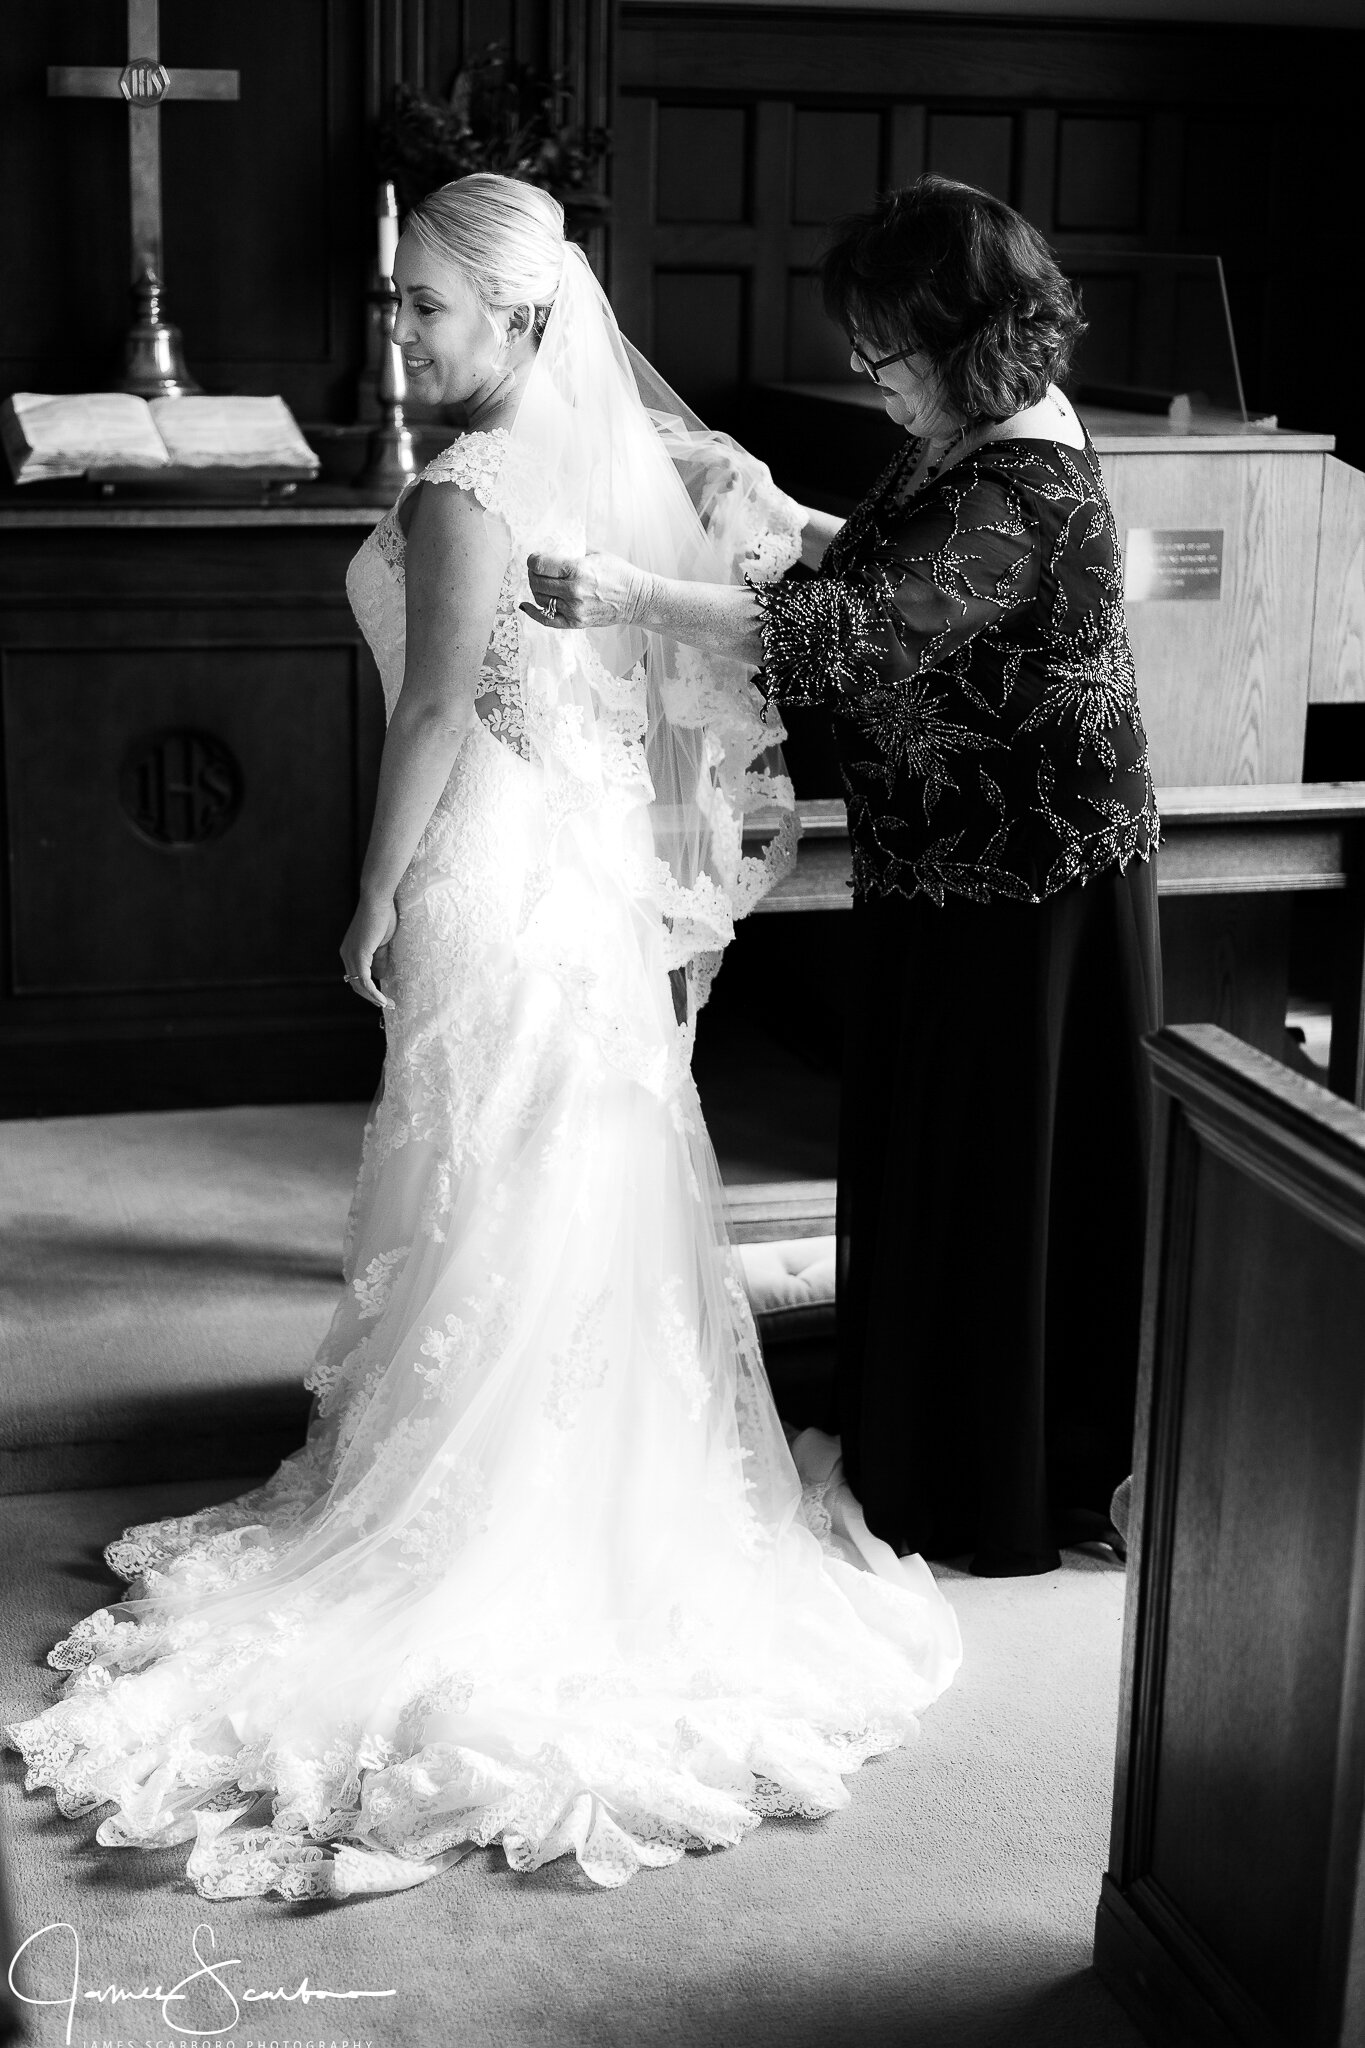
[{"x": 865, "y": 362}]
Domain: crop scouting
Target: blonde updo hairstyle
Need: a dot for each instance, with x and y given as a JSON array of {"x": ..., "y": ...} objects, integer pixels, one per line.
[{"x": 506, "y": 237}]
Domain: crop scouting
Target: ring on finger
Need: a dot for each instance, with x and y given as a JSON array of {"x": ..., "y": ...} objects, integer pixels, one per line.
[{"x": 551, "y": 607}]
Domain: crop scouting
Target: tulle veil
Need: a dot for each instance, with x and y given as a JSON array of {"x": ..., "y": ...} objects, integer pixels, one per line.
[{"x": 618, "y": 463}]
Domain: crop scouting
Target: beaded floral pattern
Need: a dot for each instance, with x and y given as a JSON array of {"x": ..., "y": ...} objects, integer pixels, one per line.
[{"x": 969, "y": 639}]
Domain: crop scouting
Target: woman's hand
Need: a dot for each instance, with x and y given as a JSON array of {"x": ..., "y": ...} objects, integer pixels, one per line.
[
  {"x": 367, "y": 936},
  {"x": 572, "y": 592}
]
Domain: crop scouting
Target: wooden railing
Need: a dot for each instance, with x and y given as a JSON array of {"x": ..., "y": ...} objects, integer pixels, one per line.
[{"x": 1251, "y": 840}]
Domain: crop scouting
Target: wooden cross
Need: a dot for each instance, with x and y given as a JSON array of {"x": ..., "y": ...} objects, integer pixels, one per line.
[{"x": 143, "y": 83}]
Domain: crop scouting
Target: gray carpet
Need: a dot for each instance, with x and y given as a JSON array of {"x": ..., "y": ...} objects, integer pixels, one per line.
[
  {"x": 166, "y": 1280},
  {"x": 950, "y": 1905}
]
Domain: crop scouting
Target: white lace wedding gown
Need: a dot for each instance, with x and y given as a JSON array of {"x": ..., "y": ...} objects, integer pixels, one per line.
[{"x": 544, "y": 1573}]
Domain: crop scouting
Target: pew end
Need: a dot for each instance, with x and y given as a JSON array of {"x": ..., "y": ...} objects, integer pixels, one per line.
[{"x": 1233, "y": 1911}]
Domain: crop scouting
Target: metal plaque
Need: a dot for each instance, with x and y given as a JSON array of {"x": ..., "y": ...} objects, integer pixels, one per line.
[{"x": 1172, "y": 562}]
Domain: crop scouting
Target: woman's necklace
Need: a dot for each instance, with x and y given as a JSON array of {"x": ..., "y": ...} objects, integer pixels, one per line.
[{"x": 968, "y": 435}]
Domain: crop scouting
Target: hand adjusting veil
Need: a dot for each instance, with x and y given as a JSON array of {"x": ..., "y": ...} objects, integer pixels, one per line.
[{"x": 653, "y": 753}]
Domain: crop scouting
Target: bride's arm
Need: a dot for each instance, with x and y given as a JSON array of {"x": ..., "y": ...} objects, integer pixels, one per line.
[{"x": 454, "y": 568}]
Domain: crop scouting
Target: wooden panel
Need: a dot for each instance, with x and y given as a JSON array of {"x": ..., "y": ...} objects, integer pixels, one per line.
[
  {"x": 1199, "y": 349},
  {"x": 977, "y": 148},
  {"x": 1107, "y": 352},
  {"x": 1225, "y": 191},
  {"x": 817, "y": 350},
  {"x": 1216, "y": 860},
  {"x": 699, "y": 329},
  {"x": 1337, "y": 674},
  {"x": 251, "y": 297},
  {"x": 816, "y": 50},
  {"x": 906, "y": 145},
  {"x": 633, "y": 229},
  {"x": 774, "y": 155},
  {"x": 1099, "y": 173},
  {"x": 1225, "y": 960},
  {"x": 1224, "y": 684},
  {"x": 1238, "y": 1724},
  {"x": 97, "y": 901},
  {"x": 1231, "y": 1909},
  {"x": 702, "y": 164},
  {"x": 759, "y": 1211},
  {"x": 837, "y": 166}
]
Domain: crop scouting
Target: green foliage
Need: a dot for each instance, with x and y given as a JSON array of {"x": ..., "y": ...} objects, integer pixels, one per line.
[{"x": 499, "y": 116}]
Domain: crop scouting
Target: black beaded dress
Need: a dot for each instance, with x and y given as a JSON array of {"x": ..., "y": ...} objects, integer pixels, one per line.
[{"x": 968, "y": 639}]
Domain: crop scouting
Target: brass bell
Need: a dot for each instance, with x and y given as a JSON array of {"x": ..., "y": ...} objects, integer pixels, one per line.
[{"x": 154, "y": 356}]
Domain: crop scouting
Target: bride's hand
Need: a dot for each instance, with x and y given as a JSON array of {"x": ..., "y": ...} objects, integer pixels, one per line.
[
  {"x": 573, "y": 591},
  {"x": 367, "y": 938}
]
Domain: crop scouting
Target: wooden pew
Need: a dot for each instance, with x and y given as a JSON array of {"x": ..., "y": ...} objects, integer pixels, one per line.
[
  {"x": 1230, "y": 861},
  {"x": 1233, "y": 1911}
]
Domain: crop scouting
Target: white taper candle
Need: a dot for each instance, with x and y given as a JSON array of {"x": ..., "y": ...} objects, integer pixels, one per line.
[{"x": 388, "y": 227}]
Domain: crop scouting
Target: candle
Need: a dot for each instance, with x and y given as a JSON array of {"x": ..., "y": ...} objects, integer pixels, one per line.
[{"x": 388, "y": 227}]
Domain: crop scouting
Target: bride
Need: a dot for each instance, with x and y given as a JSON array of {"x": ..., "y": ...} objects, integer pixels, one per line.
[{"x": 545, "y": 1572}]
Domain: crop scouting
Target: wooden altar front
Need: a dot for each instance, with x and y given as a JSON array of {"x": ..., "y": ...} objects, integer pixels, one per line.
[{"x": 191, "y": 728}]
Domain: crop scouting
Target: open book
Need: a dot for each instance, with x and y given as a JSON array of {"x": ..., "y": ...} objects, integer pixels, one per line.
[{"x": 114, "y": 437}]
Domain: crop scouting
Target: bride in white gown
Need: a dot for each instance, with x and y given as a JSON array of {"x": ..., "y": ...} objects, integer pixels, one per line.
[{"x": 545, "y": 1572}]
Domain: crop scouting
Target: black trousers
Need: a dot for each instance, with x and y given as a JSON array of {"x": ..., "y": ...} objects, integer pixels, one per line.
[{"x": 994, "y": 1136}]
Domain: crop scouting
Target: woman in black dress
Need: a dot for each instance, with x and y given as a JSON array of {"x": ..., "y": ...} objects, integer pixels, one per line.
[{"x": 965, "y": 629}]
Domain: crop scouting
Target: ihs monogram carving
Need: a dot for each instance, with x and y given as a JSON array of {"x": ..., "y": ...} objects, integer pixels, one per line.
[
  {"x": 180, "y": 789},
  {"x": 143, "y": 82}
]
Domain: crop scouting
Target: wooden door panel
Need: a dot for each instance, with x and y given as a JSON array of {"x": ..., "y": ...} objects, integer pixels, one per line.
[
  {"x": 976, "y": 148},
  {"x": 699, "y": 329},
  {"x": 1099, "y": 174},
  {"x": 702, "y": 164},
  {"x": 837, "y": 165}
]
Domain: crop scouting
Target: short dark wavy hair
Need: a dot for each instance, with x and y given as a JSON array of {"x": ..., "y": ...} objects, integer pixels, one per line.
[{"x": 964, "y": 277}]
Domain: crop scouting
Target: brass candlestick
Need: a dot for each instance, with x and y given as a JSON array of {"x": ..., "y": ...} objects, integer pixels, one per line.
[{"x": 390, "y": 456}]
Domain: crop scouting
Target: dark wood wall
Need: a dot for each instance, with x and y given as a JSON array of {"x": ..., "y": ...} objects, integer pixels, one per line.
[
  {"x": 269, "y": 200},
  {"x": 740, "y": 133},
  {"x": 743, "y": 132}
]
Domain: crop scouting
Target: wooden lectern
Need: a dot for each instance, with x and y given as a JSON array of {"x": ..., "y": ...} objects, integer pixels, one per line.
[{"x": 1244, "y": 590}]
